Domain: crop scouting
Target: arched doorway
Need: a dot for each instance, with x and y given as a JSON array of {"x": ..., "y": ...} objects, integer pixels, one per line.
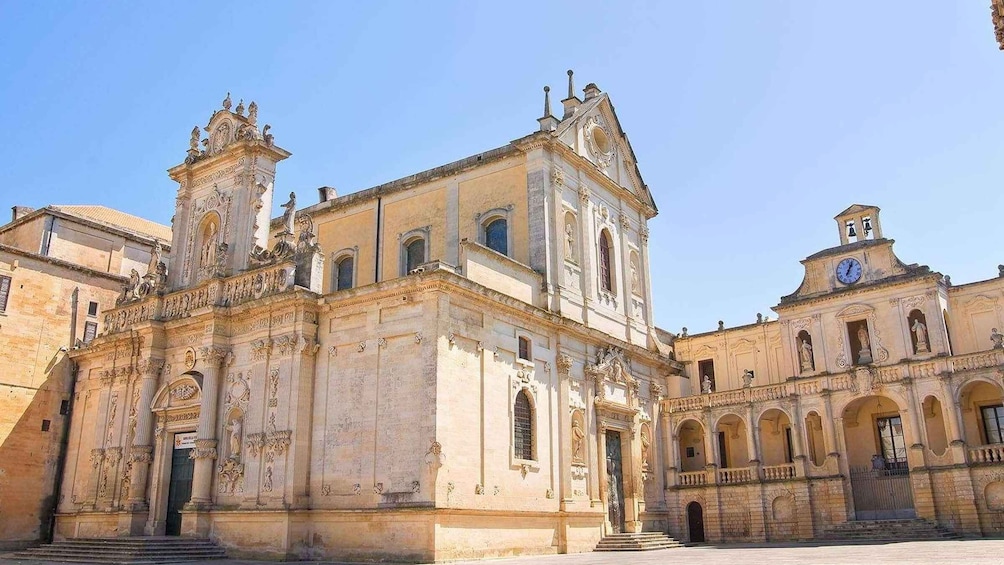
[
  {"x": 876, "y": 443},
  {"x": 695, "y": 522}
]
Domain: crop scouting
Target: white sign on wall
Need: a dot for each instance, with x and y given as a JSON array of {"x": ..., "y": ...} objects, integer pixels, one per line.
[{"x": 185, "y": 440}]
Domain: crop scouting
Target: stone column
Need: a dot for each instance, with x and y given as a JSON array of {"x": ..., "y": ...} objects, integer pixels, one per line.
[
  {"x": 711, "y": 455},
  {"x": 915, "y": 455},
  {"x": 564, "y": 364},
  {"x": 797, "y": 448},
  {"x": 956, "y": 443},
  {"x": 587, "y": 246},
  {"x": 671, "y": 447},
  {"x": 829, "y": 427},
  {"x": 753, "y": 439},
  {"x": 601, "y": 467},
  {"x": 205, "y": 442},
  {"x": 141, "y": 451}
]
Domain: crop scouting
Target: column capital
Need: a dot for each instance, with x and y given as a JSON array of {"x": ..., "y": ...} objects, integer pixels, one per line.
[
  {"x": 214, "y": 355},
  {"x": 204, "y": 449}
]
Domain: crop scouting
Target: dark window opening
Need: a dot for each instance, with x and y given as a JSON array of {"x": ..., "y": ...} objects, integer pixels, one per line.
[
  {"x": 523, "y": 427},
  {"x": 706, "y": 368},
  {"x": 64, "y": 407},
  {"x": 788, "y": 447},
  {"x": 414, "y": 255},
  {"x": 606, "y": 272},
  {"x": 344, "y": 279},
  {"x": 92, "y": 309},
  {"x": 45, "y": 425},
  {"x": 993, "y": 423},
  {"x": 497, "y": 236},
  {"x": 690, "y": 452},
  {"x": 891, "y": 441},
  {"x": 723, "y": 452},
  {"x": 524, "y": 348}
]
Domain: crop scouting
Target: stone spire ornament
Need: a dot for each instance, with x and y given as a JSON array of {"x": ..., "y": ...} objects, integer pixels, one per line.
[
  {"x": 547, "y": 121},
  {"x": 547, "y": 101},
  {"x": 193, "y": 143},
  {"x": 240, "y": 107},
  {"x": 253, "y": 114},
  {"x": 571, "y": 84},
  {"x": 227, "y": 102}
]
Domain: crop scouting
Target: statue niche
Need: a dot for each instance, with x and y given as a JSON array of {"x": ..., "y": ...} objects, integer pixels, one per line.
[
  {"x": 803, "y": 344},
  {"x": 209, "y": 245},
  {"x": 578, "y": 438},
  {"x": 917, "y": 323}
]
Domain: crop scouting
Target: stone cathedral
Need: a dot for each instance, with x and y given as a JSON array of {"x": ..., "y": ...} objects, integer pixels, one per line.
[{"x": 463, "y": 363}]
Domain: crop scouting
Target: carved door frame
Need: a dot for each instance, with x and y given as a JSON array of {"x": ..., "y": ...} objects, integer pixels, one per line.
[
  {"x": 621, "y": 419},
  {"x": 174, "y": 413}
]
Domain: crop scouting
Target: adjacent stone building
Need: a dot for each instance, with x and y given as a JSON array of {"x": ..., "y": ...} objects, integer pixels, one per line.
[
  {"x": 61, "y": 267},
  {"x": 875, "y": 395}
]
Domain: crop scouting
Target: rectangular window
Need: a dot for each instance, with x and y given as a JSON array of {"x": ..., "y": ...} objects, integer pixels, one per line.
[
  {"x": 690, "y": 452},
  {"x": 891, "y": 441},
  {"x": 92, "y": 309},
  {"x": 64, "y": 407},
  {"x": 90, "y": 331},
  {"x": 4, "y": 292},
  {"x": 706, "y": 368},
  {"x": 993, "y": 423},
  {"x": 524, "y": 348},
  {"x": 45, "y": 425}
]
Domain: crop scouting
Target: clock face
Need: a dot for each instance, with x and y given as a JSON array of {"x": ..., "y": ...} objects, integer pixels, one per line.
[{"x": 848, "y": 271}]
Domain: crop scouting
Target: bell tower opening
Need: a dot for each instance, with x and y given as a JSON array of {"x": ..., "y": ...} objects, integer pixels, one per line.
[{"x": 859, "y": 223}]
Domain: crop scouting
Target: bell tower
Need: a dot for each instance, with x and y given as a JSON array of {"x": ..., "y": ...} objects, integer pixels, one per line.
[
  {"x": 859, "y": 223},
  {"x": 224, "y": 200}
]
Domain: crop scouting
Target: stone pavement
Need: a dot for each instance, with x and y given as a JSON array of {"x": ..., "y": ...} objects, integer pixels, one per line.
[{"x": 942, "y": 552}]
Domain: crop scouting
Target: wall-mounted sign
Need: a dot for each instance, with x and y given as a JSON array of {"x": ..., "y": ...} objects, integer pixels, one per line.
[{"x": 185, "y": 440}]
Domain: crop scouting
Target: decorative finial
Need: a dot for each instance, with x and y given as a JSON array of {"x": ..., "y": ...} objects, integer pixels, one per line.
[
  {"x": 684, "y": 334},
  {"x": 227, "y": 102},
  {"x": 721, "y": 325},
  {"x": 547, "y": 101},
  {"x": 759, "y": 318},
  {"x": 240, "y": 107},
  {"x": 571, "y": 85},
  {"x": 253, "y": 114},
  {"x": 1000, "y": 271}
]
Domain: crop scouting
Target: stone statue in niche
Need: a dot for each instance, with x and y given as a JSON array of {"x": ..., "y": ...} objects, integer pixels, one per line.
[
  {"x": 646, "y": 442},
  {"x": 706, "y": 385},
  {"x": 635, "y": 282},
  {"x": 865, "y": 355},
  {"x": 996, "y": 339},
  {"x": 208, "y": 258},
  {"x": 221, "y": 138},
  {"x": 805, "y": 355},
  {"x": 578, "y": 441},
  {"x": 235, "y": 437},
  {"x": 570, "y": 242},
  {"x": 920, "y": 332},
  {"x": 289, "y": 215}
]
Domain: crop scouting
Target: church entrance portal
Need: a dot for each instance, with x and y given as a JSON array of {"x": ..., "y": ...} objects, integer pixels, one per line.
[
  {"x": 180, "y": 489},
  {"x": 695, "y": 522},
  {"x": 615, "y": 482}
]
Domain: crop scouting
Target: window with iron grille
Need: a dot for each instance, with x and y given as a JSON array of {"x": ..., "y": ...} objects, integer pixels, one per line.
[
  {"x": 993, "y": 423},
  {"x": 92, "y": 309},
  {"x": 891, "y": 440},
  {"x": 414, "y": 255},
  {"x": 90, "y": 331},
  {"x": 4, "y": 292},
  {"x": 523, "y": 426},
  {"x": 606, "y": 279}
]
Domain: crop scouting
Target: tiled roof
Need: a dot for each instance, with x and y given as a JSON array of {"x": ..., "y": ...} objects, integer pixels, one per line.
[{"x": 118, "y": 219}]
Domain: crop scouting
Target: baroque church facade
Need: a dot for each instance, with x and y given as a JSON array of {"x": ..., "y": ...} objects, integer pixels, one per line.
[{"x": 463, "y": 363}]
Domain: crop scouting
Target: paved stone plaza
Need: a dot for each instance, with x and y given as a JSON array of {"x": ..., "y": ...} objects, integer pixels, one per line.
[{"x": 971, "y": 552}]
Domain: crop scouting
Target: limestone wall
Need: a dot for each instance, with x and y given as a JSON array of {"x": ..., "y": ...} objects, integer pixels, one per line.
[{"x": 974, "y": 310}]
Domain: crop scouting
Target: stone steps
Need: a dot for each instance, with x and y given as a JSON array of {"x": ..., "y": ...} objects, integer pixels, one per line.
[
  {"x": 125, "y": 551},
  {"x": 645, "y": 541},
  {"x": 887, "y": 531}
]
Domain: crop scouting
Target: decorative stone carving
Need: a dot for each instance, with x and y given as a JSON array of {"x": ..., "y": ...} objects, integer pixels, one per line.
[
  {"x": 378, "y": 488},
  {"x": 557, "y": 177},
  {"x": 747, "y": 378},
  {"x": 239, "y": 393},
  {"x": 656, "y": 390},
  {"x": 255, "y": 444},
  {"x": 204, "y": 449},
  {"x": 549, "y": 493},
  {"x": 357, "y": 489},
  {"x": 231, "y": 476},
  {"x": 184, "y": 392},
  {"x": 479, "y": 488},
  {"x": 570, "y": 250},
  {"x": 706, "y": 385},
  {"x": 578, "y": 438},
  {"x": 996, "y": 339},
  {"x": 564, "y": 363},
  {"x": 416, "y": 486},
  {"x": 261, "y": 349},
  {"x": 267, "y": 484}
]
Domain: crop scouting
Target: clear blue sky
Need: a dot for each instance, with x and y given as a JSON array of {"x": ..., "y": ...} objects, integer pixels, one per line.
[{"x": 754, "y": 123}]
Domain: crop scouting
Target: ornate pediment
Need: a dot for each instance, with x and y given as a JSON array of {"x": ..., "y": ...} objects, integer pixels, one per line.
[
  {"x": 856, "y": 311},
  {"x": 611, "y": 365}
]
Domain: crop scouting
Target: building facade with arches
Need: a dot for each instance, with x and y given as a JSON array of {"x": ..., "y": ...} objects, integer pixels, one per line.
[
  {"x": 459, "y": 363},
  {"x": 876, "y": 394}
]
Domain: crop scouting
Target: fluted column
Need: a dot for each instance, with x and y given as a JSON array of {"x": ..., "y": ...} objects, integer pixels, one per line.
[
  {"x": 141, "y": 451},
  {"x": 205, "y": 439}
]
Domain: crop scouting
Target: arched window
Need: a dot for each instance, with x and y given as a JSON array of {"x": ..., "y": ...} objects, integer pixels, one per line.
[
  {"x": 414, "y": 254},
  {"x": 606, "y": 270},
  {"x": 344, "y": 273},
  {"x": 523, "y": 426},
  {"x": 497, "y": 236}
]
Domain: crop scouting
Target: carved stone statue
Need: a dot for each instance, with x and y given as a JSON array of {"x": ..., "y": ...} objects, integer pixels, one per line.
[
  {"x": 646, "y": 442},
  {"x": 235, "y": 437},
  {"x": 155, "y": 258},
  {"x": 706, "y": 385},
  {"x": 570, "y": 242},
  {"x": 578, "y": 441},
  {"x": 805, "y": 355},
  {"x": 208, "y": 258},
  {"x": 747, "y": 378},
  {"x": 635, "y": 282},
  {"x": 920, "y": 332},
  {"x": 996, "y": 339},
  {"x": 289, "y": 215},
  {"x": 253, "y": 114},
  {"x": 193, "y": 143},
  {"x": 865, "y": 355},
  {"x": 130, "y": 291}
]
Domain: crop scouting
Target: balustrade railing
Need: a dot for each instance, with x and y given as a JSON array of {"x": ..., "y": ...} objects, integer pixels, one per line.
[
  {"x": 729, "y": 476},
  {"x": 693, "y": 478},
  {"x": 987, "y": 454},
  {"x": 779, "y": 472},
  {"x": 215, "y": 292}
]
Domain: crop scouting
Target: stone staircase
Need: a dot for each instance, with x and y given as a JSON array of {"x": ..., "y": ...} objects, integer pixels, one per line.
[
  {"x": 124, "y": 551},
  {"x": 887, "y": 531},
  {"x": 644, "y": 541}
]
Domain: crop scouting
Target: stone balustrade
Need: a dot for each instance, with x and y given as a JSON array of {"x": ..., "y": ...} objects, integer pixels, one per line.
[
  {"x": 804, "y": 386},
  {"x": 731, "y": 476},
  {"x": 987, "y": 454},
  {"x": 693, "y": 478},
  {"x": 779, "y": 472},
  {"x": 230, "y": 291}
]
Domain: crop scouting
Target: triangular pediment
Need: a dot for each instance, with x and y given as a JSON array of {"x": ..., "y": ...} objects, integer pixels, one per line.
[
  {"x": 594, "y": 132},
  {"x": 856, "y": 208}
]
